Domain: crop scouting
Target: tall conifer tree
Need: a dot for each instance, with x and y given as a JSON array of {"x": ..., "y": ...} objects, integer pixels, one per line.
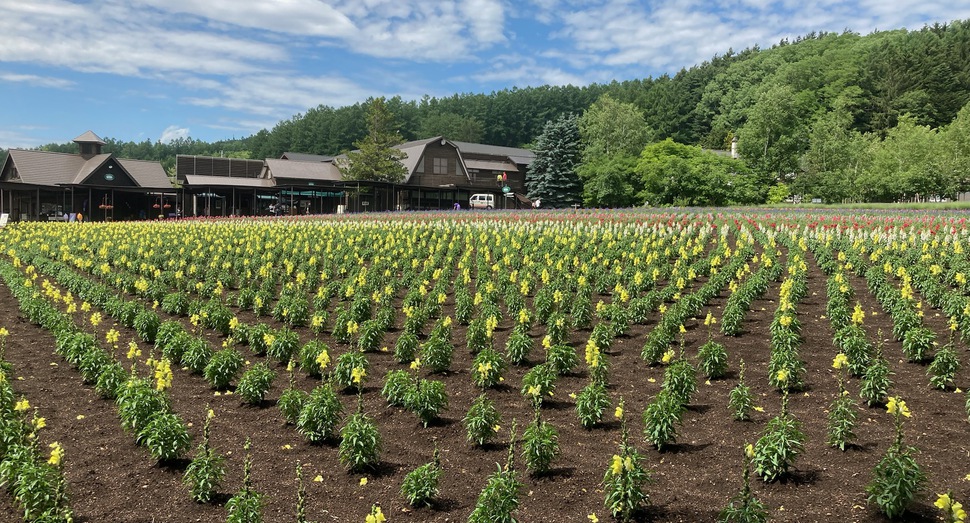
[
  {"x": 552, "y": 176},
  {"x": 376, "y": 159}
]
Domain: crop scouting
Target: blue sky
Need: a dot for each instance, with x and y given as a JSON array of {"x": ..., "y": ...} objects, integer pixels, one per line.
[{"x": 215, "y": 69}]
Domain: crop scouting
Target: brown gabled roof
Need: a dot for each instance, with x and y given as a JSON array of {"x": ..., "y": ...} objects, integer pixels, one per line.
[
  {"x": 414, "y": 151},
  {"x": 201, "y": 180},
  {"x": 146, "y": 174},
  {"x": 89, "y": 137},
  {"x": 322, "y": 171},
  {"x": 50, "y": 169},
  {"x": 519, "y": 156},
  {"x": 304, "y": 157},
  {"x": 46, "y": 168},
  {"x": 492, "y": 165},
  {"x": 503, "y": 158},
  {"x": 89, "y": 167}
]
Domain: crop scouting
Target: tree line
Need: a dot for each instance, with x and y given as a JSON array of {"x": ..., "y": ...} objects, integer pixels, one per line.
[{"x": 839, "y": 116}]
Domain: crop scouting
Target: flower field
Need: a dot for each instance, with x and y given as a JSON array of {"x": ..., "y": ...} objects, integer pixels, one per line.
[{"x": 541, "y": 366}]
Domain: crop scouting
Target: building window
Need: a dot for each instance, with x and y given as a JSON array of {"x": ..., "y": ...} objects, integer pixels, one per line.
[{"x": 441, "y": 166}]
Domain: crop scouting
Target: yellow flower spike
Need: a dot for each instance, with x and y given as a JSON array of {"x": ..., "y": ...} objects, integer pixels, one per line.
[
  {"x": 858, "y": 315},
  {"x": 363, "y": 481},
  {"x": 943, "y": 501},
  {"x": 840, "y": 361},
  {"x": 782, "y": 375},
  {"x": 616, "y": 467},
  {"x": 749, "y": 451},
  {"x": 618, "y": 413},
  {"x": 318, "y": 479},
  {"x": 317, "y": 321},
  {"x": 22, "y": 405},
  {"x": 323, "y": 359},
  {"x": 903, "y": 409},
  {"x": 958, "y": 513},
  {"x": 668, "y": 356},
  {"x": 57, "y": 454},
  {"x": 682, "y": 329},
  {"x": 357, "y": 375},
  {"x": 592, "y": 517}
]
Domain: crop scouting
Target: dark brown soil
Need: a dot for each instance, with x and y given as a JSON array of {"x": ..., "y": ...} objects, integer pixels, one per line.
[{"x": 111, "y": 479}]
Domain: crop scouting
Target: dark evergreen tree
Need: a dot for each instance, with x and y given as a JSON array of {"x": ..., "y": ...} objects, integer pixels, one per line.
[
  {"x": 552, "y": 177},
  {"x": 376, "y": 159}
]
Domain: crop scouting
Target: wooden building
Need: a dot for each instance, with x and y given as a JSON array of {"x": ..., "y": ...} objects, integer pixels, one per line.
[
  {"x": 41, "y": 185},
  {"x": 440, "y": 173}
]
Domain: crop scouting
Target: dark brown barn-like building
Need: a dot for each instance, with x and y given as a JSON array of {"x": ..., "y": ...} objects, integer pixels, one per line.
[
  {"x": 440, "y": 173},
  {"x": 41, "y": 185}
]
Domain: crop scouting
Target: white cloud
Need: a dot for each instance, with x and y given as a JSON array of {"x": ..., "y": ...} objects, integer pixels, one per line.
[
  {"x": 432, "y": 31},
  {"x": 277, "y": 95},
  {"x": 669, "y": 34},
  {"x": 297, "y": 17},
  {"x": 268, "y": 59},
  {"x": 523, "y": 71},
  {"x": 487, "y": 19},
  {"x": 543, "y": 11},
  {"x": 111, "y": 37},
  {"x": 39, "y": 81},
  {"x": 172, "y": 133},
  {"x": 17, "y": 140}
]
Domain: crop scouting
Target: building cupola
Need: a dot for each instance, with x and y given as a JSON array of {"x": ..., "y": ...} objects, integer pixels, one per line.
[{"x": 90, "y": 144}]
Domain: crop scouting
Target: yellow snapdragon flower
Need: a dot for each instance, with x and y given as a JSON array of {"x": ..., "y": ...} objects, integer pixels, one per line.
[
  {"x": 840, "y": 361},
  {"x": 57, "y": 454},
  {"x": 896, "y": 405}
]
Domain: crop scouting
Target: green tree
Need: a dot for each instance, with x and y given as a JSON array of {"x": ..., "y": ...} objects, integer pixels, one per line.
[
  {"x": 772, "y": 139},
  {"x": 452, "y": 126},
  {"x": 830, "y": 166},
  {"x": 552, "y": 175},
  {"x": 954, "y": 150},
  {"x": 684, "y": 175},
  {"x": 612, "y": 128},
  {"x": 376, "y": 159},
  {"x": 905, "y": 166},
  {"x": 613, "y": 134},
  {"x": 611, "y": 181}
]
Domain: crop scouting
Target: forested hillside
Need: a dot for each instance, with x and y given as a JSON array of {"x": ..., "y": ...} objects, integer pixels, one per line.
[{"x": 839, "y": 116}]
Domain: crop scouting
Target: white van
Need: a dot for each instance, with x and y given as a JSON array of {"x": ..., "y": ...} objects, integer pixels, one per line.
[{"x": 482, "y": 201}]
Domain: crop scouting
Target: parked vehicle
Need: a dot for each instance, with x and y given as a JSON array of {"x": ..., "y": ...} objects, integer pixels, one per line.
[{"x": 482, "y": 201}]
